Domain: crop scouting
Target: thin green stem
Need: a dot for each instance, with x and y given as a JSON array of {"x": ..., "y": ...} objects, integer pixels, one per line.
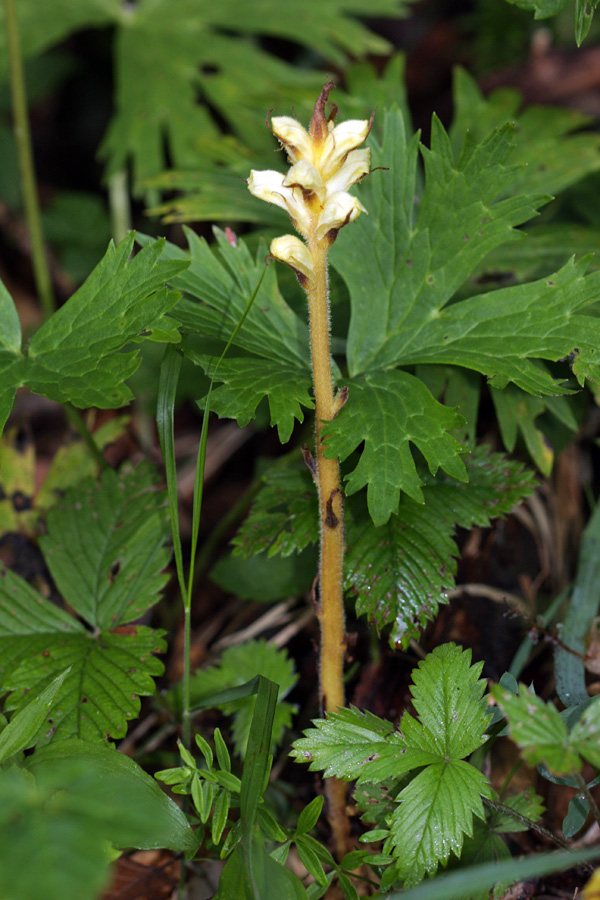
[
  {"x": 41, "y": 270},
  {"x": 76, "y": 420},
  {"x": 529, "y": 823}
]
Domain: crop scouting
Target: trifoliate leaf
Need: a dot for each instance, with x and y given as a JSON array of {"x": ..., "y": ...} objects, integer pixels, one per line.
[
  {"x": 538, "y": 729},
  {"x": 238, "y": 665},
  {"x": 246, "y": 381},
  {"x": 104, "y": 548},
  {"x": 401, "y": 571},
  {"x": 435, "y": 810},
  {"x": 386, "y": 411},
  {"x": 284, "y": 517}
]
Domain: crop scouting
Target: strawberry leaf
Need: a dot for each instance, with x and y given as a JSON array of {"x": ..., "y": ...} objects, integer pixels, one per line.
[{"x": 106, "y": 555}]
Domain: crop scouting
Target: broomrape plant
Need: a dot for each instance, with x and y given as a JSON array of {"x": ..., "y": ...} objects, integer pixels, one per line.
[{"x": 325, "y": 162}]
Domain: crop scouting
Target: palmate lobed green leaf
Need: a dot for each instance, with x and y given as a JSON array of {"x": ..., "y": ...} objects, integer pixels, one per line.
[
  {"x": 401, "y": 275},
  {"x": 216, "y": 288},
  {"x": 76, "y": 355},
  {"x": 386, "y": 411},
  {"x": 550, "y": 143},
  {"x": 108, "y": 558},
  {"x": 200, "y": 51}
]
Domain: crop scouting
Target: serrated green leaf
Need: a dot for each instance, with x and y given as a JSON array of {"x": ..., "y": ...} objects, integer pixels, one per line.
[
  {"x": 284, "y": 517},
  {"x": 400, "y": 572},
  {"x": 387, "y": 410},
  {"x": 538, "y": 729},
  {"x": 10, "y": 353},
  {"x": 105, "y": 547},
  {"x": 547, "y": 248},
  {"x": 435, "y": 812},
  {"x": 76, "y": 355},
  {"x": 356, "y": 745},
  {"x": 517, "y": 412},
  {"x": 111, "y": 662},
  {"x": 447, "y": 695},
  {"x": 528, "y": 804},
  {"x": 246, "y": 381}
]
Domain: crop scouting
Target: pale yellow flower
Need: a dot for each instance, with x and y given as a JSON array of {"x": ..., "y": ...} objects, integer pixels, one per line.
[
  {"x": 325, "y": 163},
  {"x": 291, "y": 251}
]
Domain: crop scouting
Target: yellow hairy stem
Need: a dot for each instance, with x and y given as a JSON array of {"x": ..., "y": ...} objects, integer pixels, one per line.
[{"x": 331, "y": 519}]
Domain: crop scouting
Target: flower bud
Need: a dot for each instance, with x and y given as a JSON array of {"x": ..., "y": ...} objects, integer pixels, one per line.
[{"x": 291, "y": 251}]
